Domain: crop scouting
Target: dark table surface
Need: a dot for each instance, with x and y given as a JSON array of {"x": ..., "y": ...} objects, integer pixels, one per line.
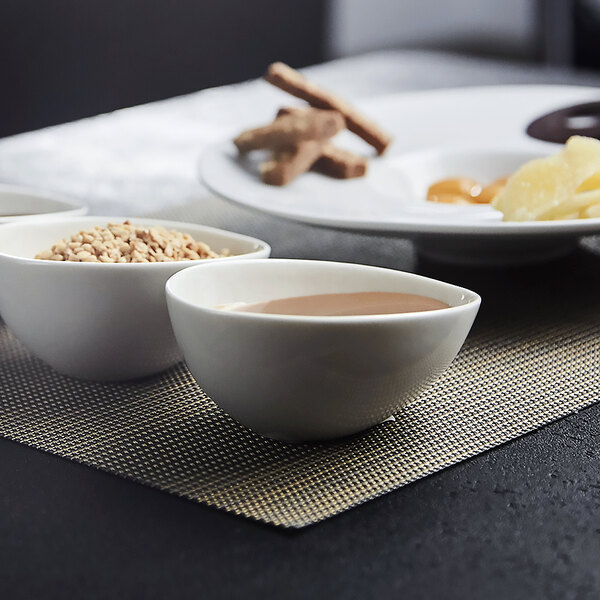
[
  {"x": 520, "y": 521},
  {"x": 517, "y": 522}
]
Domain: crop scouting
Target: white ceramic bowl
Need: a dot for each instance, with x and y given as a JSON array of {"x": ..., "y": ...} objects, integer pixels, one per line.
[
  {"x": 18, "y": 204},
  {"x": 310, "y": 378},
  {"x": 93, "y": 320}
]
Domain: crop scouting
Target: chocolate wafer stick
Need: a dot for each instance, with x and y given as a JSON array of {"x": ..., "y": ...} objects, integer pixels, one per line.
[
  {"x": 333, "y": 162},
  {"x": 286, "y": 166},
  {"x": 292, "y": 82},
  {"x": 339, "y": 163},
  {"x": 291, "y": 110},
  {"x": 291, "y": 129}
]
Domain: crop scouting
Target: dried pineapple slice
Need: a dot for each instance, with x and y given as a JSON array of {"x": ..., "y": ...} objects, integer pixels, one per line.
[
  {"x": 592, "y": 183},
  {"x": 546, "y": 183},
  {"x": 591, "y": 212},
  {"x": 579, "y": 202}
]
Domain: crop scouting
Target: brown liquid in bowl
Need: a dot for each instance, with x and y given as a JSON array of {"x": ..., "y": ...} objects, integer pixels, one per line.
[{"x": 351, "y": 304}]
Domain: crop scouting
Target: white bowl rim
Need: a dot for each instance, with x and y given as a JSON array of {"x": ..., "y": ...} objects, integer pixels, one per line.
[
  {"x": 71, "y": 207},
  {"x": 473, "y": 299},
  {"x": 262, "y": 246}
]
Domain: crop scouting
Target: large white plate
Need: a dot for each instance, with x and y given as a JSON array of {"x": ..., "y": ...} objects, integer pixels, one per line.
[{"x": 477, "y": 132}]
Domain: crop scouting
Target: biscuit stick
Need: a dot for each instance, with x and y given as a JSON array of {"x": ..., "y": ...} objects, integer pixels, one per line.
[
  {"x": 291, "y": 129},
  {"x": 339, "y": 163},
  {"x": 292, "y": 82},
  {"x": 286, "y": 166},
  {"x": 333, "y": 162}
]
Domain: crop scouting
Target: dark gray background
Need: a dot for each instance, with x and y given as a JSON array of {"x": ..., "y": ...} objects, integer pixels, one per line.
[{"x": 67, "y": 59}]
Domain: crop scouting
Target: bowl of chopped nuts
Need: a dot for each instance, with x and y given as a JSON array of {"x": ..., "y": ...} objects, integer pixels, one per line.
[{"x": 87, "y": 294}]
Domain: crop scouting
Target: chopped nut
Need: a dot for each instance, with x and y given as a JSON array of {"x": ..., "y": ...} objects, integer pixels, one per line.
[{"x": 127, "y": 243}]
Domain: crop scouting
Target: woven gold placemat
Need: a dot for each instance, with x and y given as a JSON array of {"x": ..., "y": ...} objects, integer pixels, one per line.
[{"x": 514, "y": 375}]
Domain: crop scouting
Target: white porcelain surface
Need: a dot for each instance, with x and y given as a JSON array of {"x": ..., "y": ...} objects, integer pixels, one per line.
[
  {"x": 476, "y": 125},
  {"x": 307, "y": 378},
  {"x": 93, "y": 320},
  {"x": 18, "y": 204}
]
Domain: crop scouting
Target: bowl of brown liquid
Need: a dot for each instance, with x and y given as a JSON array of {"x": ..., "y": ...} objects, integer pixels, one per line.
[{"x": 305, "y": 350}]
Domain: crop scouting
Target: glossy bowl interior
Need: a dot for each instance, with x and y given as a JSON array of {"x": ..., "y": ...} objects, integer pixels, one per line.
[
  {"x": 312, "y": 378},
  {"x": 93, "y": 320}
]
